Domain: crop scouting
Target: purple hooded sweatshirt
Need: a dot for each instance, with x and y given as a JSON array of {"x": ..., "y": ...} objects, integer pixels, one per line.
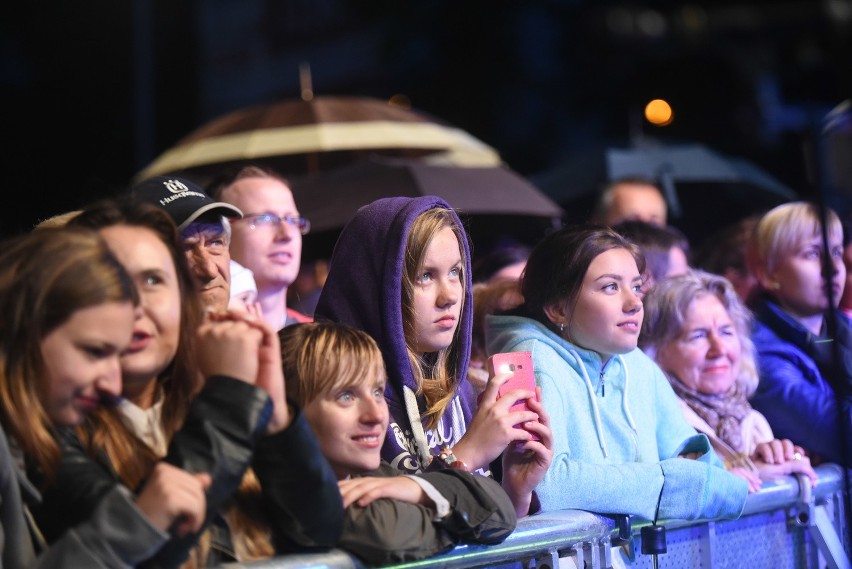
[{"x": 364, "y": 289}]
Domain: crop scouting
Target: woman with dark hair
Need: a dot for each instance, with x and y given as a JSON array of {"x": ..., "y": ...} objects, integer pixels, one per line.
[{"x": 620, "y": 438}]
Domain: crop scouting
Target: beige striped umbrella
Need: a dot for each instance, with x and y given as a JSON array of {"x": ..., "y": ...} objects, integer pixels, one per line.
[{"x": 298, "y": 137}]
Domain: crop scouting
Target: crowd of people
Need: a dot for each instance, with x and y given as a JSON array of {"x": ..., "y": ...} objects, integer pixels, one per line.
[{"x": 163, "y": 406}]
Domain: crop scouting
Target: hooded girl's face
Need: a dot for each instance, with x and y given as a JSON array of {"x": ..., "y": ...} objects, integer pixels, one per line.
[{"x": 438, "y": 294}]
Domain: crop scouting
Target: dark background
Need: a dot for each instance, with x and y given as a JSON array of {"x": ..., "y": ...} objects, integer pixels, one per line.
[{"x": 93, "y": 91}]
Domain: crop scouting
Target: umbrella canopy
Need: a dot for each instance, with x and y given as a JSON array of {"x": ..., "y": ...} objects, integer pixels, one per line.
[
  {"x": 297, "y": 137},
  {"x": 495, "y": 201},
  {"x": 330, "y": 199},
  {"x": 704, "y": 189}
]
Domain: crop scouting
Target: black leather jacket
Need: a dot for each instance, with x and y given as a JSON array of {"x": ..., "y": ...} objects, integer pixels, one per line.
[{"x": 223, "y": 434}]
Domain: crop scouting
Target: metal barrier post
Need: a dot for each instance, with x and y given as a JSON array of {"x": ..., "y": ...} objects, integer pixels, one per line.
[
  {"x": 828, "y": 541},
  {"x": 549, "y": 561}
]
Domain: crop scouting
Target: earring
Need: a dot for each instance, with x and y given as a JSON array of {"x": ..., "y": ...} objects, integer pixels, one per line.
[
  {"x": 776, "y": 285},
  {"x": 562, "y": 327}
]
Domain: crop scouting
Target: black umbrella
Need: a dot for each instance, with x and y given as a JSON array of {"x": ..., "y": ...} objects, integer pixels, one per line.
[
  {"x": 503, "y": 202},
  {"x": 704, "y": 189}
]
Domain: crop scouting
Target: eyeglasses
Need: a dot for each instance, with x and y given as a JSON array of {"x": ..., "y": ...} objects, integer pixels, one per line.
[{"x": 256, "y": 220}]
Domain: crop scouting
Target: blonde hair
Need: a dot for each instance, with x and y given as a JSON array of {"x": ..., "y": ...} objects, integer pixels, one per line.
[
  {"x": 441, "y": 368},
  {"x": 58, "y": 220},
  {"x": 782, "y": 229},
  {"x": 319, "y": 357}
]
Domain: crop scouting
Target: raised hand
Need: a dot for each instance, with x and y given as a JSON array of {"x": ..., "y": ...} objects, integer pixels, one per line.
[
  {"x": 361, "y": 491},
  {"x": 492, "y": 427},
  {"x": 265, "y": 356},
  {"x": 228, "y": 345},
  {"x": 174, "y": 498}
]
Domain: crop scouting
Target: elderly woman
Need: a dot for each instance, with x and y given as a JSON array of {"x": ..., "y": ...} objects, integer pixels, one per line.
[{"x": 697, "y": 330}]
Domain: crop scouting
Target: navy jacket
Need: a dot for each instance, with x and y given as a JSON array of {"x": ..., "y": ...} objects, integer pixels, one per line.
[{"x": 794, "y": 393}]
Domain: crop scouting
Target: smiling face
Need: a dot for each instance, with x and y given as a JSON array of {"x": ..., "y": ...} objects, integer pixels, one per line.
[
  {"x": 272, "y": 252},
  {"x": 349, "y": 423},
  {"x": 156, "y": 333},
  {"x": 607, "y": 315},
  {"x": 81, "y": 358},
  {"x": 706, "y": 356},
  {"x": 438, "y": 294}
]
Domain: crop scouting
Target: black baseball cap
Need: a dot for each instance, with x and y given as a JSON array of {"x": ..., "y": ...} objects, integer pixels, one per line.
[{"x": 183, "y": 199}]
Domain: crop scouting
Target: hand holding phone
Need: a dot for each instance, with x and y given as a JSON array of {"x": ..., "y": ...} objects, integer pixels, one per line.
[{"x": 523, "y": 376}]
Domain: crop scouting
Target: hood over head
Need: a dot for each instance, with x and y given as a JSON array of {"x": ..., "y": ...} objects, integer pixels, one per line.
[{"x": 364, "y": 283}]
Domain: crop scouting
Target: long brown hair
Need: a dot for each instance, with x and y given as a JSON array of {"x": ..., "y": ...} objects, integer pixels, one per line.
[
  {"x": 45, "y": 277},
  {"x": 105, "y": 430},
  {"x": 439, "y": 368}
]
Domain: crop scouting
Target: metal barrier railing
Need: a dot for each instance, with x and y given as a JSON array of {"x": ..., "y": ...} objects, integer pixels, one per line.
[{"x": 786, "y": 524}]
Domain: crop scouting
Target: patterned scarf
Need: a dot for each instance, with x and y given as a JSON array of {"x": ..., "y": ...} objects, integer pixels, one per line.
[{"x": 724, "y": 413}]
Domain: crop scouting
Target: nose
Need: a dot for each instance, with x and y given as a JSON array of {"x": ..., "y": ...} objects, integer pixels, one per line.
[
  {"x": 449, "y": 294},
  {"x": 716, "y": 347},
  {"x": 285, "y": 230},
  {"x": 201, "y": 263},
  {"x": 109, "y": 383},
  {"x": 632, "y": 302},
  {"x": 837, "y": 265},
  {"x": 374, "y": 410}
]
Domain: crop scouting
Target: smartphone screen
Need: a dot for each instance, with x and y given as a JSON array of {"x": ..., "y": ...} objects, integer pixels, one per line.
[{"x": 523, "y": 376}]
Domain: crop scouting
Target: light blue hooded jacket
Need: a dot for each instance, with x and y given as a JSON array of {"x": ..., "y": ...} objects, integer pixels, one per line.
[{"x": 618, "y": 429}]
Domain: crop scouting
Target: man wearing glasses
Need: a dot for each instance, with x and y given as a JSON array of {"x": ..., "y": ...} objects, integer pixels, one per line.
[{"x": 268, "y": 238}]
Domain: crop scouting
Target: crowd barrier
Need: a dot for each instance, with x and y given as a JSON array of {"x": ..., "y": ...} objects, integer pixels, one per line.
[{"x": 787, "y": 524}]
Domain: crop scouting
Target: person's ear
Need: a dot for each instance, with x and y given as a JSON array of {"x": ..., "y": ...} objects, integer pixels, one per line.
[
  {"x": 558, "y": 314},
  {"x": 768, "y": 282}
]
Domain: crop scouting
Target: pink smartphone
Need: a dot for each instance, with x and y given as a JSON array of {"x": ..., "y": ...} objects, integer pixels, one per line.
[{"x": 521, "y": 366}]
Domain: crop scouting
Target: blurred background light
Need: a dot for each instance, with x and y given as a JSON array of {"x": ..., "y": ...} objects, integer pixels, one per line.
[{"x": 659, "y": 113}]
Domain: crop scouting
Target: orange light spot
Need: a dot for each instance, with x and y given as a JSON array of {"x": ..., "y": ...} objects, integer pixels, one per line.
[{"x": 658, "y": 112}]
